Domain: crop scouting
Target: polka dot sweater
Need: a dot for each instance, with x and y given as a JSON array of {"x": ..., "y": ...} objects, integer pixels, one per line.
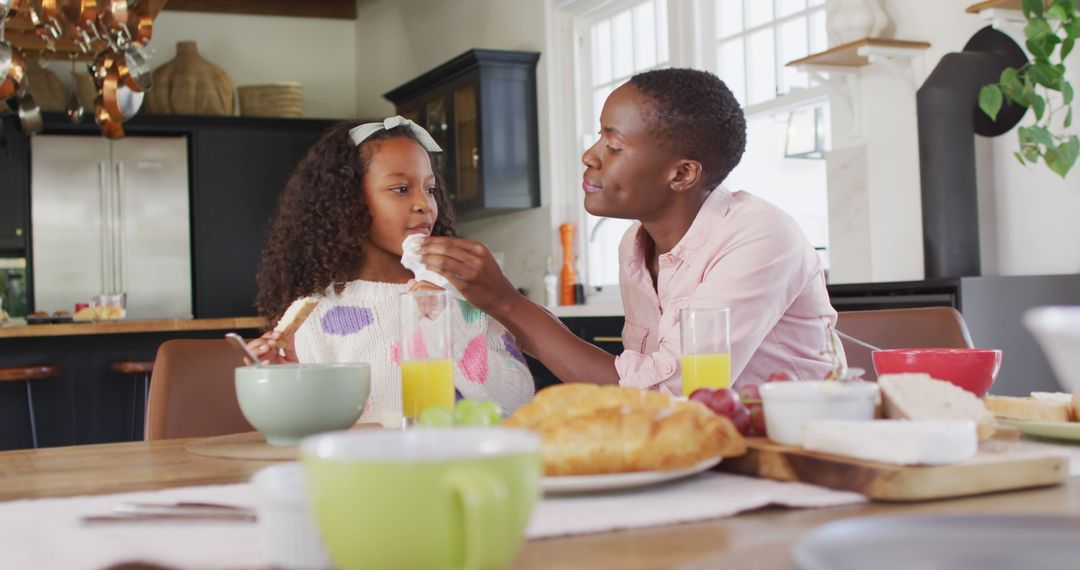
[{"x": 362, "y": 325}]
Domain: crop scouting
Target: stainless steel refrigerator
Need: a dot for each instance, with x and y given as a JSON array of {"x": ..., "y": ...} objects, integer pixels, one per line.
[{"x": 111, "y": 217}]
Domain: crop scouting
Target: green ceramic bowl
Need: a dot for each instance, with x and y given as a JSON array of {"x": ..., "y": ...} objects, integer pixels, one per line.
[
  {"x": 444, "y": 499},
  {"x": 287, "y": 402}
]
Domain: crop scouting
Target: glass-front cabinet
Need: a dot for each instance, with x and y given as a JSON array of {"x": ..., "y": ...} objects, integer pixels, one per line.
[{"x": 481, "y": 109}]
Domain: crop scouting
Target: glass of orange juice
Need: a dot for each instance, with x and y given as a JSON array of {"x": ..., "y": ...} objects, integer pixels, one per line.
[
  {"x": 706, "y": 348},
  {"x": 427, "y": 362}
]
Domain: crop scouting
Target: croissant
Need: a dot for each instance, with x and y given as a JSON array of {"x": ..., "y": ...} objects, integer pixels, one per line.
[{"x": 588, "y": 430}]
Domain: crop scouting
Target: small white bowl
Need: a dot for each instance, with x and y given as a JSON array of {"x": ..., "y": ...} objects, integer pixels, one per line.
[
  {"x": 788, "y": 406},
  {"x": 288, "y": 534}
]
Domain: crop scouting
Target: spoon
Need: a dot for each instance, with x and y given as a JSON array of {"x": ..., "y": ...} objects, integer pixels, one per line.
[
  {"x": 243, "y": 346},
  {"x": 863, "y": 344}
]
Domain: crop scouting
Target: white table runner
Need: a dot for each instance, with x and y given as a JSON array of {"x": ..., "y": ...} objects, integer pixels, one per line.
[{"x": 46, "y": 533}]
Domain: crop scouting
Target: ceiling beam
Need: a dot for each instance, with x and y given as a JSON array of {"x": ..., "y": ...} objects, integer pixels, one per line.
[{"x": 337, "y": 9}]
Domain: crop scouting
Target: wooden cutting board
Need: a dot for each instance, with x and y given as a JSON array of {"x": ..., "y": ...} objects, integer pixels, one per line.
[{"x": 999, "y": 466}]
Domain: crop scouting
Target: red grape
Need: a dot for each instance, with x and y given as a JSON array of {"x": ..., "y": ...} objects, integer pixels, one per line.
[
  {"x": 778, "y": 377},
  {"x": 750, "y": 394},
  {"x": 741, "y": 418},
  {"x": 724, "y": 401},
  {"x": 702, "y": 395},
  {"x": 757, "y": 420}
]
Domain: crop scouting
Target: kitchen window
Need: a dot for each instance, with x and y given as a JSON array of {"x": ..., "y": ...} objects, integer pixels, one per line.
[
  {"x": 616, "y": 42},
  {"x": 746, "y": 43}
]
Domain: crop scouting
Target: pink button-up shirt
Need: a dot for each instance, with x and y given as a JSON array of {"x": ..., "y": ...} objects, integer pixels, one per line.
[{"x": 741, "y": 252}]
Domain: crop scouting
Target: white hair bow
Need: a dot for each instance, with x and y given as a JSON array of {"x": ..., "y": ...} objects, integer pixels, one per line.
[{"x": 360, "y": 133}]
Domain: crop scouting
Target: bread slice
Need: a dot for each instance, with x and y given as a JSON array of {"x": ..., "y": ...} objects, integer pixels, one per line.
[
  {"x": 1030, "y": 409},
  {"x": 1072, "y": 400},
  {"x": 920, "y": 397},
  {"x": 294, "y": 316}
]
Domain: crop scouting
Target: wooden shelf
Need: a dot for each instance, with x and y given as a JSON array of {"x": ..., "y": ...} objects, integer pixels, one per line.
[
  {"x": 999, "y": 4},
  {"x": 129, "y": 327},
  {"x": 1017, "y": 5},
  {"x": 854, "y": 54},
  {"x": 336, "y": 9}
]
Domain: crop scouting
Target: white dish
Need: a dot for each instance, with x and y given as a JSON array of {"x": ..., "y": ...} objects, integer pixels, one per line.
[
  {"x": 618, "y": 481},
  {"x": 789, "y": 406},
  {"x": 1069, "y": 431}
]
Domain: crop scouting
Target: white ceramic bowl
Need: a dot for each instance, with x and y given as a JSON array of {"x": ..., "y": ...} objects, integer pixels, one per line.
[
  {"x": 1058, "y": 331},
  {"x": 288, "y": 534},
  {"x": 788, "y": 406}
]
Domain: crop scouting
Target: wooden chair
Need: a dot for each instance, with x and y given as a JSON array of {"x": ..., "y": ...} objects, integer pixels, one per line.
[
  {"x": 27, "y": 374},
  {"x": 930, "y": 327},
  {"x": 139, "y": 370},
  {"x": 192, "y": 393}
]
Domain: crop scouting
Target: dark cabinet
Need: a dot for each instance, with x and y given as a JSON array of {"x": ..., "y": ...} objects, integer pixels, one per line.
[
  {"x": 14, "y": 188},
  {"x": 481, "y": 109},
  {"x": 238, "y": 176}
]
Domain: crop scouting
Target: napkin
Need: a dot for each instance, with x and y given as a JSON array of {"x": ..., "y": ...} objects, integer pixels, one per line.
[{"x": 410, "y": 259}]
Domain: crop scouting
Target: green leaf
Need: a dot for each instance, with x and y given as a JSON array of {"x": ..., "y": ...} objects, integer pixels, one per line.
[
  {"x": 1045, "y": 74},
  {"x": 1039, "y": 105},
  {"x": 990, "y": 100},
  {"x": 1011, "y": 86},
  {"x": 1033, "y": 7},
  {"x": 1067, "y": 46},
  {"x": 1068, "y": 118},
  {"x": 1070, "y": 151},
  {"x": 1073, "y": 30},
  {"x": 1041, "y": 135},
  {"x": 1037, "y": 28},
  {"x": 1020, "y": 158},
  {"x": 1056, "y": 12},
  {"x": 1031, "y": 153},
  {"x": 1066, "y": 92}
]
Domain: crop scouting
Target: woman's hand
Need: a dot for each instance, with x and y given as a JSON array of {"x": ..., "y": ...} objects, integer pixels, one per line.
[
  {"x": 265, "y": 347},
  {"x": 470, "y": 266}
]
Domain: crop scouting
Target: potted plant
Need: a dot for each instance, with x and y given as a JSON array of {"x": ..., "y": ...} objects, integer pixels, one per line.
[{"x": 1051, "y": 32}]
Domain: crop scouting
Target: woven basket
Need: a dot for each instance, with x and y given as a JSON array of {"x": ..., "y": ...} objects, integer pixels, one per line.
[{"x": 284, "y": 99}]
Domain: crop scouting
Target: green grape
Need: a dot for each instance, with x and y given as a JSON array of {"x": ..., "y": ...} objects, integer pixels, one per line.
[
  {"x": 479, "y": 416},
  {"x": 461, "y": 408},
  {"x": 436, "y": 416}
]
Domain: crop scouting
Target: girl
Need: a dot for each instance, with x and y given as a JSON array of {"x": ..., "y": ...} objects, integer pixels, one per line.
[{"x": 337, "y": 235}]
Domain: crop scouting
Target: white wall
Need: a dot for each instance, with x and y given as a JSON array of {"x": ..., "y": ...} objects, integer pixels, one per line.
[
  {"x": 320, "y": 53},
  {"x": 1029, "y": 217},
  {"x": 400, "y": 39}
]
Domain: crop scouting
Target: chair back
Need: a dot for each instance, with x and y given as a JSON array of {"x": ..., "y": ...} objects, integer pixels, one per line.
[
  {"x": 192, "y": 391},
  {"x": 929, "y": 327}
]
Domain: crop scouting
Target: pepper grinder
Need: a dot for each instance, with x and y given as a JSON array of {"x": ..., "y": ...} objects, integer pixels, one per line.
[{"x": 566, "y": 290}]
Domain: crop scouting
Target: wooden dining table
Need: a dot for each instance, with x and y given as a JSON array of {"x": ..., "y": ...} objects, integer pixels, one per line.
[{"x": 762, "y": 539}]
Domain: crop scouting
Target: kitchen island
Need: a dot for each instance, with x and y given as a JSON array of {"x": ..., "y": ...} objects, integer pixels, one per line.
[{"x": 89, "y": 402}]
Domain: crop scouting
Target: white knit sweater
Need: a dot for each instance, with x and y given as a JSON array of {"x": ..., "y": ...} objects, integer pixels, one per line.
[{"x": 362, "y": 325}]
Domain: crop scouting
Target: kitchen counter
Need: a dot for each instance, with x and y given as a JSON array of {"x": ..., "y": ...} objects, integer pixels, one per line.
[{"x": 128, "y": 327}]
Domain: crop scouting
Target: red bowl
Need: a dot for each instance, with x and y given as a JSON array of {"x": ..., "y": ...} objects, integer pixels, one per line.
[{"x": 972, "y": 369}]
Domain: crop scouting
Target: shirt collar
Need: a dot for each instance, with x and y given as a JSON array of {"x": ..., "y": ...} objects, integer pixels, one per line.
[{"x": 713, "y": 210}]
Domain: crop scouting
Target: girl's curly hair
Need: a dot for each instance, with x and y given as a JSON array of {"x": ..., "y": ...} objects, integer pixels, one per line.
[{"x": 322, "y": 224}]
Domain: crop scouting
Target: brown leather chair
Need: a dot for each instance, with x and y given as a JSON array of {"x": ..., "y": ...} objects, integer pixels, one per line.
[
  {"x": 192, "y": 393},
  {"x": 930, "y": 327}
]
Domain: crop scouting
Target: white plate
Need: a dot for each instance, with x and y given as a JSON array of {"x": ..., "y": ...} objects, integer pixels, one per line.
[
  {"x": 1055, "y": 430},
  {"x": 618, "y": 481}
]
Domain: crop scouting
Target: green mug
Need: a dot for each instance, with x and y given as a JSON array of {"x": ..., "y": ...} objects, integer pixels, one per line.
[{"x": 454, "y": 498}]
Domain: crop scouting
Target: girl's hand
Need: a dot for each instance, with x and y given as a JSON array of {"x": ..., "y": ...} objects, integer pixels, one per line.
[
  {"x": 470, "y": 266},
  {"x": 265, "y": 347}
]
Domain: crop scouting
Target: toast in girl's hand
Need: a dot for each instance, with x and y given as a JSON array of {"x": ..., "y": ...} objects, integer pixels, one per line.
[{"x": 294, "y": 316}]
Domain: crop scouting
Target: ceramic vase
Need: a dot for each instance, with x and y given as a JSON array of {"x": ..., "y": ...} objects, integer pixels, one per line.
[
  {"x": 190, "y": 85},
  {"x": 851, "y": 20}
]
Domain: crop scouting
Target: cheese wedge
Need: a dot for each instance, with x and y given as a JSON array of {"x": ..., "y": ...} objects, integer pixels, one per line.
[
  {"x": 920, "y": 397},
  {"x": 900, "y": 442}
]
